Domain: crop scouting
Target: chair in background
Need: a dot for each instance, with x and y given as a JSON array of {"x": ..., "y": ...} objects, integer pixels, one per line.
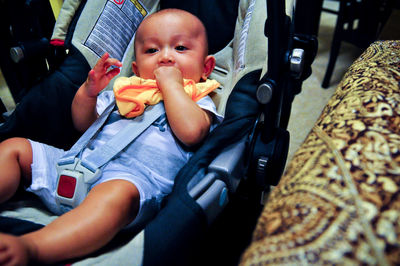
[{"x": 359, "y": 22}]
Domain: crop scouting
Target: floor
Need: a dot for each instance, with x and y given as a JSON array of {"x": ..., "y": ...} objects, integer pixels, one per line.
[{"x": 308, "y": 105}]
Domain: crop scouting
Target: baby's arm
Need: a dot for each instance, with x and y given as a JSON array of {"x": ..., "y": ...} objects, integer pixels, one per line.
[
  {"x": 84, "y": 103},
  {"x": 188, "y": 121}
]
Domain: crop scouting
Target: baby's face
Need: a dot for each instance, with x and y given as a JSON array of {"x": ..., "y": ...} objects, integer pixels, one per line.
[{"x": 170, "y": 40}]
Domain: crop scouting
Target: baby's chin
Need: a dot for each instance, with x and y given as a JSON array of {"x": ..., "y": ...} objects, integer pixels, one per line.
[
  {"x": 195, "y": 79},
  {"x": 146, "y": 76}
]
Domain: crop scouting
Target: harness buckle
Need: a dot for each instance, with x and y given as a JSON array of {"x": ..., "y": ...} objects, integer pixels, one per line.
[{"x": 73, "y": 183}]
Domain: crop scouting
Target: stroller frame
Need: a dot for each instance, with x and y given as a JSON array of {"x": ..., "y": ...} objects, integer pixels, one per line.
[{"x": 260, "y": 156}]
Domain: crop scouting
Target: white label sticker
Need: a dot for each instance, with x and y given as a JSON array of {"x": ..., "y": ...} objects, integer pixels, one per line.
[{"x": 115, "y": 27}]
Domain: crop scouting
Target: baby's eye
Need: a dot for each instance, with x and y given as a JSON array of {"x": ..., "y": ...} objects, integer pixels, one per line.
[
  {"x": 151, "y": 51},
  {"x": 180, "y": 48}
]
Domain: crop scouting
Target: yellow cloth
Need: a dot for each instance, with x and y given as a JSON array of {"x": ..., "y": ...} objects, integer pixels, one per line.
[{"x": 132, "y": 94}]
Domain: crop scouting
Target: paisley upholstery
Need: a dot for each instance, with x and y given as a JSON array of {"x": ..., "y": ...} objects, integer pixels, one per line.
[{"x": 339, "y": 199}]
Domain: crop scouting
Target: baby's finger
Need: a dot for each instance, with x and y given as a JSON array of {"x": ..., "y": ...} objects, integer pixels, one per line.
[
  {"x": 113, "y": 72},
  {"x": 100, "y": 65},
  {"x": 2, "y": 245},
  {"x": 113, "y": 63},
  {"x": 5, "y": 257},
  {"x": 92, "y": 75},
  {"x": 104, "y": 57}
]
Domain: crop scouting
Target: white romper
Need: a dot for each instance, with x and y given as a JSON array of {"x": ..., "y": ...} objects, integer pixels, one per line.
[{"x": 150, "y": 162}]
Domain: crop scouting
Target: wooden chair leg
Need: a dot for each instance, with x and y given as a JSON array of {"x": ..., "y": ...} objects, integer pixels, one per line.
[
  {"x": 335, "y": 46},
  {"x": 331, "y": 65}
]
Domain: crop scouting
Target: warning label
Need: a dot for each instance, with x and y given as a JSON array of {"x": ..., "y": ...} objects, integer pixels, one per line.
[{"x": 115, "y": 27}]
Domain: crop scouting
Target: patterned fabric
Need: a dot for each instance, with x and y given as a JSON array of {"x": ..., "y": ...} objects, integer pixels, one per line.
[{"x": 339, "y": 200}]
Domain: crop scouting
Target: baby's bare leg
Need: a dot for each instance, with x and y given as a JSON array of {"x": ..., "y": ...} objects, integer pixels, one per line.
[
  {"x": 15, "y": 166},
  {"x": 106, "y": 210}
]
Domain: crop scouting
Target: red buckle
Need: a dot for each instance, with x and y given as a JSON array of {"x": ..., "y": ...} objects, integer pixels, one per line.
[{"x": 66, "y": 186}]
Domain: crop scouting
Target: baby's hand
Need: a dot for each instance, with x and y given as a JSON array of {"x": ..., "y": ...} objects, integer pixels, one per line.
[
  {"x": 13, "y": 251},
  {"x": 100, "y": 76},
  {"x": 167, "y": 76}
]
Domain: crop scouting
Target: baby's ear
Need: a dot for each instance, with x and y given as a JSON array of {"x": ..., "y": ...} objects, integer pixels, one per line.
[
  {"x": 135, "y": 68},
  {"x": 209, "y": 64}
]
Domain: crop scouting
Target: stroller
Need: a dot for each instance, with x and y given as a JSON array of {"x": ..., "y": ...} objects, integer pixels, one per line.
[{"x": 217, "y": 195}]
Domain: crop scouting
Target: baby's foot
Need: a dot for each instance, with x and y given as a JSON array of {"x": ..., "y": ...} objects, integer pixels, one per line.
[{"x": 13, "y": 250}]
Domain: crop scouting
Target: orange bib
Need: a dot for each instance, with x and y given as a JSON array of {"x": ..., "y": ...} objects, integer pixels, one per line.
[{"x": 133, "y": 94}]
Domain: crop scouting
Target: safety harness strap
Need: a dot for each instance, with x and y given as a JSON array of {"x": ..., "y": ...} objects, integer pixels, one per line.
[
  {"x": 75, "y": 175},
  {"x": 69, "y": 157},
  {"x": 107, "y": 151}
]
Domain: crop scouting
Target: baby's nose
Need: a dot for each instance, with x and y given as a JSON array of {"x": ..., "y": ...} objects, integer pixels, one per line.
[{"x": 166, "y": 57}]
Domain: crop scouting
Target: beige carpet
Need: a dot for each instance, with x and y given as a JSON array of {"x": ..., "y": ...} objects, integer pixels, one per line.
[{"x": 308, "y": 105}]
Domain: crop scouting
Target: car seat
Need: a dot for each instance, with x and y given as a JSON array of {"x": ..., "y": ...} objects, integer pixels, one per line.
[{"x": 237, "y": 162}]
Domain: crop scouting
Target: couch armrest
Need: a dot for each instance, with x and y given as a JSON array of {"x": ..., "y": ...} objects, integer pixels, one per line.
[{"x": 339, "y": 199}]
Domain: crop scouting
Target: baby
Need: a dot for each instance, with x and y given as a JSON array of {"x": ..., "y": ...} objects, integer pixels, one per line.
[{"x": 170, "y": 46}]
